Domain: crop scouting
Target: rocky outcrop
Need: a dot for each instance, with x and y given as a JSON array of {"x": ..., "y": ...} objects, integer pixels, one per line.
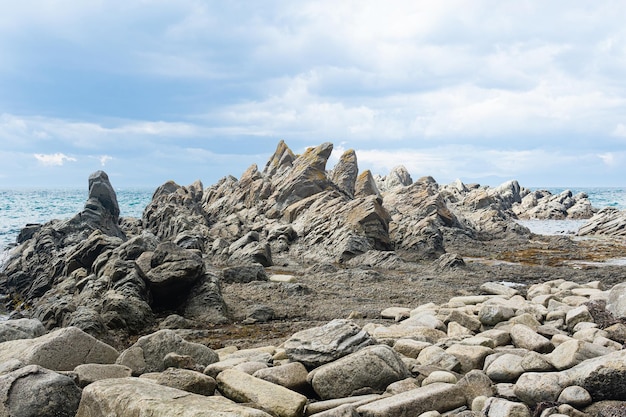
[
  {"x": 543, "y": 205},
  {"x": 345, "y": 173},
  {"x": 418, "y": 216},
  {"x": 113, "y": 277},
  {"x": 607, "y": 222}
]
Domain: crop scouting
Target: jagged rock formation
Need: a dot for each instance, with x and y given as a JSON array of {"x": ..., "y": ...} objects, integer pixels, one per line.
[
  {"x": 607, "y": 222},
  {"x": 104, "y": 274}
]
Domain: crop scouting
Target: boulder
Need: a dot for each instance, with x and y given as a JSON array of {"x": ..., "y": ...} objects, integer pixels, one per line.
[
  {"x": 275, "y": 399},
  {"x": 149, "y": 352},
  {"x": 170, "y": 273},
  {"x": 243, "y": 274},
  {"x": 505, "y": 368},
  {"x": 33, "y": 391},
  {"x": 136, "y": 396},
  {"x": 20, "y": 329},
  {"x": 92, "y": 372},
  {"x": 616, "y": 304},
  {"x": 470, "y": 357},
  {"x": 575, "y": 396},
  {"x": 500, "y": 407},
  {"x": 291, "y": 375},
  {"x": 524, "y": 337},
  {"x": 440, "y": 397},
  {"x": 370, "y": 370},
  {"x": 573, "y": 352},
  {"x": 474, "y": 384},
  {"x": 492, "y": 314},
  {"x": 184, "y": 380},
  {"x": 319, "y": 345},
  {"x": 604, "y": 377},
  {"x": 60, "y": 350}
]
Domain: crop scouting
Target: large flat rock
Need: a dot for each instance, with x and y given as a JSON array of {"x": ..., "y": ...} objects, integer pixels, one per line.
[{"x": 134, "y": 397}]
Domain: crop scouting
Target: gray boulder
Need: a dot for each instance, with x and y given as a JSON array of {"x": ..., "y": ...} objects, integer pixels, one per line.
[
  {"x": 136, "y": 396},
  {"x": 617, "y": 300},
  {"x": 61, "y": 350},
  {"x": 91, "y": 372},
  {"x": 319, "y": 345},
  {"x": 370, "y": 370},
  {"x": 33, "y": 391},
  {"x": 604, "y": 377},
  {"x": 149, "y": 352},
  {"x": 20, "y": 329},
  {"x": 438, "y": 396},
  {"x": 184, "y": 379},
  {"x": 170, "y": 273},
  {"x": 275, "y": 399}
]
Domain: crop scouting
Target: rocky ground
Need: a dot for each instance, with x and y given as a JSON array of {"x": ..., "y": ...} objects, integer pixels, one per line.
[
  {"x": 361, "y": 293},
  {"x": 251, "y": 262}
]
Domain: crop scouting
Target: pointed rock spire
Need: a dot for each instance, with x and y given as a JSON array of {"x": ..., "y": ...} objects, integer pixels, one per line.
[
  {"x": 345, "y": 173},
  {"x": 101, "y": 190},
  {"x": 282, "y": 159},
  {"x": 366, "y": 185},
  {"x": 306, "y": 177}
]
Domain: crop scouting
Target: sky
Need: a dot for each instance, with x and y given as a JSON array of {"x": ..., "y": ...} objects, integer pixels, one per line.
[{"x": 158, "y": 90}]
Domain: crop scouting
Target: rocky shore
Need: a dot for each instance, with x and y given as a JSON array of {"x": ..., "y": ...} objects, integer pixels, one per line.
[{"x": 298, "y": 290}]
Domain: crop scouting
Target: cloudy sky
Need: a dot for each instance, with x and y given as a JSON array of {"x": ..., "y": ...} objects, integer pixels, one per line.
[{"x": 153, "y": 90}]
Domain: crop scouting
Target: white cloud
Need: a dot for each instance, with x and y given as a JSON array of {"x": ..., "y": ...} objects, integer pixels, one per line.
[
  {"x": 55, "y": 159},
  {"x": 619, "y": 131},
  {"x": 607, "y": 158},
  {"x": 104, "y": 159}
]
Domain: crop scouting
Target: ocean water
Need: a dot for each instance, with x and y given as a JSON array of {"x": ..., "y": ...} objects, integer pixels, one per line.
[
  {"x": 19, "y": 207},
  {"x": 22, "y": 206}
]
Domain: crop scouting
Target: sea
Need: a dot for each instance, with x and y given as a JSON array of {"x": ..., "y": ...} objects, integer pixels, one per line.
[{"x": 19, "y": 207}]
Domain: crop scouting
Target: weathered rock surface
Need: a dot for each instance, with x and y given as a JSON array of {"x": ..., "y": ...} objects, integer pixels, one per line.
[
  {"x": 60, "y": 350},
  {"x": 320, "y": 345},
  {"x": 438, "y": 397},
  {"x": 33, "y": 391},
  {"x": 137, "y": 397},
  {"x": 608, "y": 222},
  {"x": 149, "y": 352},
  {"x": 370, "y": 370},
  {"x": 275, "y": 399},
  {"x": 184, "y": 379},
  {"x": 91, "y": 372},
  {"x": 20, "y": 329}
]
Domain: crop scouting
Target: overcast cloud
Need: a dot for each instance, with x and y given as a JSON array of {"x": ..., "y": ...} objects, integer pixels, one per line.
[{"x": 483, "y": 91}]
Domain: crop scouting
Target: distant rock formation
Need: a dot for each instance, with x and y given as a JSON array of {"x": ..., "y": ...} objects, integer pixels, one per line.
[{"x": 607, "y": 222}]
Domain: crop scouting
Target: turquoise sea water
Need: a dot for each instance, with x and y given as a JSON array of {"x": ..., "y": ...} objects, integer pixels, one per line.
[
  {"x": 23, "y": 206},
  {"x": 19, "y": 207}
]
